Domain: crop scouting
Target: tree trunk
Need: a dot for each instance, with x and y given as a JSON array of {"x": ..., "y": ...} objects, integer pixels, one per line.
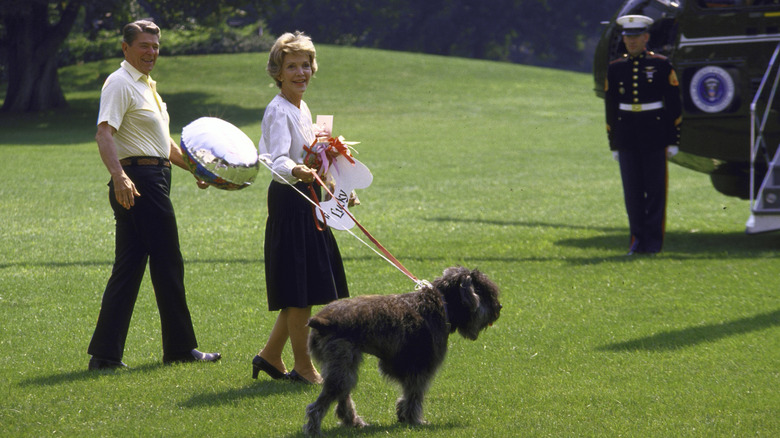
[{"x": 32, "y": 44}]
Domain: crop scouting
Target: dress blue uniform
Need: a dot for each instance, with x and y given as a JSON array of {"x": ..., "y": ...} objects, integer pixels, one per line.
[{"x": 643, "y": 113}]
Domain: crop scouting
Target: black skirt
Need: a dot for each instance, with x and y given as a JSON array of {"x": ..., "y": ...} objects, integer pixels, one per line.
[{"x": 303, "y": 265}]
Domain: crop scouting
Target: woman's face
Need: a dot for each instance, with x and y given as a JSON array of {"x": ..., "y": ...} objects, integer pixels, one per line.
[{"x": 295, "y": 75}]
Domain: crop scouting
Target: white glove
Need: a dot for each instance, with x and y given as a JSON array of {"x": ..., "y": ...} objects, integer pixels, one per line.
[
  {"x": 672, "y": 151},
  {"x": 616, "y": 155}
]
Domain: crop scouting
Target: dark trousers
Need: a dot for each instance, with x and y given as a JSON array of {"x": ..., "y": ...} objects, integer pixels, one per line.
[
  {"x": 145, "y": 232},
  {"x": 644, "y": 172}
]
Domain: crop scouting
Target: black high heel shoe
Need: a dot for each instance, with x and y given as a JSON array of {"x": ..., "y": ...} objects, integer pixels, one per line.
[
  {"x": 258, "y": 363},
  {"x": 295, "y": 377}
]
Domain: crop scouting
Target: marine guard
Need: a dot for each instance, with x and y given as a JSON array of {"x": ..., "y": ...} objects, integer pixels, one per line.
[{"x": 643, "y": 112}]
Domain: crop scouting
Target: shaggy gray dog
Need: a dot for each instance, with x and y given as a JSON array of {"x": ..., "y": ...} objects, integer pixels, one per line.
[{"x": 407, "y": 332}]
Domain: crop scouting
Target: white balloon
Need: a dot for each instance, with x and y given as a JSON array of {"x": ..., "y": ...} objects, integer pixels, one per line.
[{"x": 220, "y": 153}]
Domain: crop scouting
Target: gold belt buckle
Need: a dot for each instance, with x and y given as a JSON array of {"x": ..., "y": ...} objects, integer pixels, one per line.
[{"x": 636, "y": 107}]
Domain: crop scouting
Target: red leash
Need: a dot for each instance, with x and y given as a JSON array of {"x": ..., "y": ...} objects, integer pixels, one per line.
[{"x": 370, "y": 237}]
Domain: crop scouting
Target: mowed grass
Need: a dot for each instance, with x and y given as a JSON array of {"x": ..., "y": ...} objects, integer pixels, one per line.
[{"x": 493, "y": 166}]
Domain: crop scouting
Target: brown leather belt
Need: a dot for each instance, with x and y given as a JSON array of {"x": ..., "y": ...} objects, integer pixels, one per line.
[{"x": 145, "y": 161}]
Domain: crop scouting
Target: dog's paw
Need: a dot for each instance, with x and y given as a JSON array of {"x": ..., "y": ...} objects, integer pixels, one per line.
[
  {"x": 412, "y": 420},
  {"x": 311, "y": 430},
  {"x": 416, "y": 422},
  {"x": 359, "y": 423}
]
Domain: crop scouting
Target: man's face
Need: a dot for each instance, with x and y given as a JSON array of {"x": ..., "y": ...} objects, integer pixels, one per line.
[
  {"x": 635, "y": 44},
  {"x": 142, "y": 53}
]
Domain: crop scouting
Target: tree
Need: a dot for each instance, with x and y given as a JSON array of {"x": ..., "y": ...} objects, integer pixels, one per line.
[
  {"x": 32, "y": 33},
  {"x": 540, "y": 32}
]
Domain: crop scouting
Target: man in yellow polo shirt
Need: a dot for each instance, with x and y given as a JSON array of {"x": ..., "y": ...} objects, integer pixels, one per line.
[{"x": 134, "y": 141}]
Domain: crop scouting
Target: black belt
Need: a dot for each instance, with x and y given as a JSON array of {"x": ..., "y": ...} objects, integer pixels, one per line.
[{"x": 145, "y": 161}]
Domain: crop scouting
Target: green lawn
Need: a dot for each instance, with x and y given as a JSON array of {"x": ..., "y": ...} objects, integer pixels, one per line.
[{"x": 495, "y": 166}]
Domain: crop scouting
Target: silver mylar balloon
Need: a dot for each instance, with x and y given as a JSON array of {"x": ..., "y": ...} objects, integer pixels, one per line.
[{"x": 219, "y": 153}]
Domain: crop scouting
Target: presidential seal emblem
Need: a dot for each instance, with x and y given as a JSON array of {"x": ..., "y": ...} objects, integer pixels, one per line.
[{"x": 712, "y": 89}]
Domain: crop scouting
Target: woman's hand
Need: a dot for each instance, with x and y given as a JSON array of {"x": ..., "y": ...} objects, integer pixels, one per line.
[
  {"x": 303, "y": 173},
  {"x": 321, "y": 131}
]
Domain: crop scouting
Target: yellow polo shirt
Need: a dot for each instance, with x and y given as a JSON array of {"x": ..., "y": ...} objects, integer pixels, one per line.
[{"x": 131, "y": 106}]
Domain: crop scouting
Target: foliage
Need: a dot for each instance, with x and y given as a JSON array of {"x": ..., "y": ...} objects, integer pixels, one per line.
[
  {"x": 559, "y": 34},
  {"x": 489, "y": 165},
  {"x": 176, "y": 13},
  {"x": 189, "y": 27},
  {"x": 191, "y": 40},
  {"x": 32, "y": 32},
  {"x": 221, "y": 39},
  {"x": 534, "y": 32}
]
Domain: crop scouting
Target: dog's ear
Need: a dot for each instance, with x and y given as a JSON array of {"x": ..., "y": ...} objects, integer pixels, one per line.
[
  {"x": 318, "y": 323},
  {"x": 468, "y": 296}
]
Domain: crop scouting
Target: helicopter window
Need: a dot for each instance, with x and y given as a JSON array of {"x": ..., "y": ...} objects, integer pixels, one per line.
[{"x": 657, "y": 10}]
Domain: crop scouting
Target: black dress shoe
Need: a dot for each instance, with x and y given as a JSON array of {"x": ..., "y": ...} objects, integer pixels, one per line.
[
  {"x": 258, "y": 363},
  {"x": 634, "y": 248},
  {"x": 97, "y": 363},
  {"x": 194, "y": 356},
  {"x": 295, "y": 377}
]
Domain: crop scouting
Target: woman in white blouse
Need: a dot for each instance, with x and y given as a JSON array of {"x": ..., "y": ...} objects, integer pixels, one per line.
[{"x": 303, "y": 265}]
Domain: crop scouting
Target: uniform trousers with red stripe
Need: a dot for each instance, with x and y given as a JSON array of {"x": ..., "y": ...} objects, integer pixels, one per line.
[{"x": 645, "y": 176}]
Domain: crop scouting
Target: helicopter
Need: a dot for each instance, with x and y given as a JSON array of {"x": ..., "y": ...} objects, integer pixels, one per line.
[{"x": 724, "y": 53}]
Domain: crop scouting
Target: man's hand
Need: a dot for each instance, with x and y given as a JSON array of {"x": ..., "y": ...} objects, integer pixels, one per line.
[
  {"x": 202, "y": 184},
  {"x": 124, "y": 190}
]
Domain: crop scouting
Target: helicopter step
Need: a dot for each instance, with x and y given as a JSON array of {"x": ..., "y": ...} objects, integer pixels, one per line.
[{"x": 766, "y": 210}]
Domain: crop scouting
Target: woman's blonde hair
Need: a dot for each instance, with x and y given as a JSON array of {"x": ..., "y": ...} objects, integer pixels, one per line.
[{"x": 288, "y": 43}]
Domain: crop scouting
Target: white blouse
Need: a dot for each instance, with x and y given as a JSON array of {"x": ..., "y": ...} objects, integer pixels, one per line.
[{"x": 286, "y": 129}]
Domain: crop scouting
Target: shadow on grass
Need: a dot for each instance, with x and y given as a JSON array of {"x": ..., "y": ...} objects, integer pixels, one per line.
[
  {"x": 684, "y": 245},
  {"x": 107, "y": 262},
  {"x": 520, "y": 223},
  {"x": 268, "y": 388},
  {"x": 383, "y": 430},
  {"x": 75, "y": 376},
  {"x": 675, "y": 339},
  {"x": 77, "y": 123},
  {"x": 265, "y": 388},
  {"x": 680, "y": 245}
]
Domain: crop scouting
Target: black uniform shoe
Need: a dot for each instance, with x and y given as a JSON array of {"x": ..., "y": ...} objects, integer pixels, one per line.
[
  {"x": 634, "y": 248},
  {"x": 97, "y": 363}
]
